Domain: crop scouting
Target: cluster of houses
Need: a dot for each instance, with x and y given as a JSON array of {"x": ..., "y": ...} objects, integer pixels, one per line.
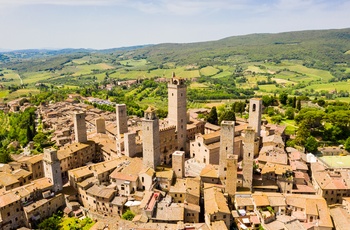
[{"x": 176, "y": 173}]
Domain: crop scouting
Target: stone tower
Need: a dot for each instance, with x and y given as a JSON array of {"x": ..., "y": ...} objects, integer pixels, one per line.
[
  {"x": 122, "y": 119},
  {"x": 227, "y": 142},
  {"x": 178, "y": 162},
  {"x": 231, "y": 175},
  {"x": 52, "y": 168},
  {"x": 100, "y": 125},
  {"x": 248, "y": 157},
  {"x": 80, "y": 127},
  {"x": 255, "y": 110},
  {"x": 150, "y": 139},
  {"x": 177, "y": 108},
  {"x": 130, "y": 144}
]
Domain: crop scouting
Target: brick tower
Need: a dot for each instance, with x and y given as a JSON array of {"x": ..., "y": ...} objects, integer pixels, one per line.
[
  {"x": 177, "y": 108},
  {"x": 248, "y": 157},
  {"x": 79, "y": 127},
  {"x": 122, "y": 119},
  {"x": 52, "y": 168},
  {"x": 255, "y": 110},
  {"x": 178, "y": 161},
  {"x": 227, "y": 142},
  {"x": 231, "y": 175},
  {"x": 150, "y": 139}
]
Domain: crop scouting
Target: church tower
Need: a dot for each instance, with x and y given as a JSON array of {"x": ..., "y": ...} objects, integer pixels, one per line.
[
  {"x": 177, "y": 109},
  {"x": 52, "y": 168},
  {"x": 150, "y": 139},
  {"x": 255, "y": 110},
  {"x": 248, "y": 157},
  {"x": 227, "y": 142},
  {"x": 79, "y": 127}
]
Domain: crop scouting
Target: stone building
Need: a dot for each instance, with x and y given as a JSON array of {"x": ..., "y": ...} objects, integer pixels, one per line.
[
  {"x": 177, "y": 109},
  {"x": 79, "y": 127},
  {"x": 227, "y": 142},
  {"x": 150, "y": 137},
  {"x": 52, "y": 168},
  {"x": 248, "y": 156},
  {"x": 178, "y": 164},
  {"x": 255, "y": 111}
]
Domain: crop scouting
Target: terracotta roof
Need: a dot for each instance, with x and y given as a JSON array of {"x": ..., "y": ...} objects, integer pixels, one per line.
[
  {"x": 209, "y": 171},
  {"x": 214, "y": 201},
  {"x": 260, "y": 199},
  {"x": 8, "y": 198},
  {"x": 7, "y": 179},
  {"x": 101, "y": 192}
]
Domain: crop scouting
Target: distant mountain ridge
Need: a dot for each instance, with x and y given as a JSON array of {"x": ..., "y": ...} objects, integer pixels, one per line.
[{"x": 316, "y": 48}]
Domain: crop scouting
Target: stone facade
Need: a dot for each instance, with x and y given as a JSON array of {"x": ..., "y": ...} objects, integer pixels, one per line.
[
  {"x": 248, "y": 156},
  {"x": 122, "y": 119},
  {"x": 231, "y": 175},
  {"x": 79, "y": 127},
  {"x": 178, "y": 163},
  {"x": 227, "y": 142},
  {"x": 255, "y": 110},
  {"x": 150, "y": 137},
  {"x": 52, "y": 168},
  {"x": 177, "y": 109}
]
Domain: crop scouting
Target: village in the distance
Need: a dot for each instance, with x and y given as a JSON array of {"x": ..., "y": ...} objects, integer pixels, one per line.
[{"x": 181, "y": 172}]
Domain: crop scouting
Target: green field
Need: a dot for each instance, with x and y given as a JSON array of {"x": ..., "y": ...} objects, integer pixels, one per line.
[
  {"x": 208, "y": 71},
  {"x": 330, "y": 86},
  {"x": 29, "y": 78},
  {"x": 10, "y": 76},
  {"x": 20, "y": 93},
  {"x": 135, "y": 63},
  {"x": 268, "y": 88}
]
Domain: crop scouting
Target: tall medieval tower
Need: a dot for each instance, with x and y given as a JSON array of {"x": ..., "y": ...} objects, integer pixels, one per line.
[
  {"x": 79, "y": 127},
  {"x": 122, "y": 119},
  {"x": 52, "y": 168},
  {"x": 248, "y": 157},
  {"x": 255, "y": 110},
  {"x": 150, "y": 139},
  {"x": 178, "y": 164},
  {"x": 231, "y": 175},
  {"x": 177, "y": 109},
  {"x": 227, "y": 142}
]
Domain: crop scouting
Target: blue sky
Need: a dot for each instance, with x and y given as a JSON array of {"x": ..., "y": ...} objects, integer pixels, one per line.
[{"x": 100, "y": 24}]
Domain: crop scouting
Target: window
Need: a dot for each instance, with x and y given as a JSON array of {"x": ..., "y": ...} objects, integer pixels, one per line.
[
  {"x": 254, "y": 107},
  {"x": 142, "y": 179}
]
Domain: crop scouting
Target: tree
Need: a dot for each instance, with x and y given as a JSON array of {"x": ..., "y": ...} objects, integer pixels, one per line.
[
  {"x": 347, "y": 144},
  {"x": 302, "y": 134},
  {"x": 294, "y": 102},
  {"x": 276, "y": 119},
  {"x": 128, "y": 215},
  {"x": 299, "y": 105},
  {"x": 311, "y": 144},
  {"x": 227, "y": 115},
  {"x": 213, "y": 116},
  {"x": 283, "y": 97},
  {"x": 290, "y": 113}
]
